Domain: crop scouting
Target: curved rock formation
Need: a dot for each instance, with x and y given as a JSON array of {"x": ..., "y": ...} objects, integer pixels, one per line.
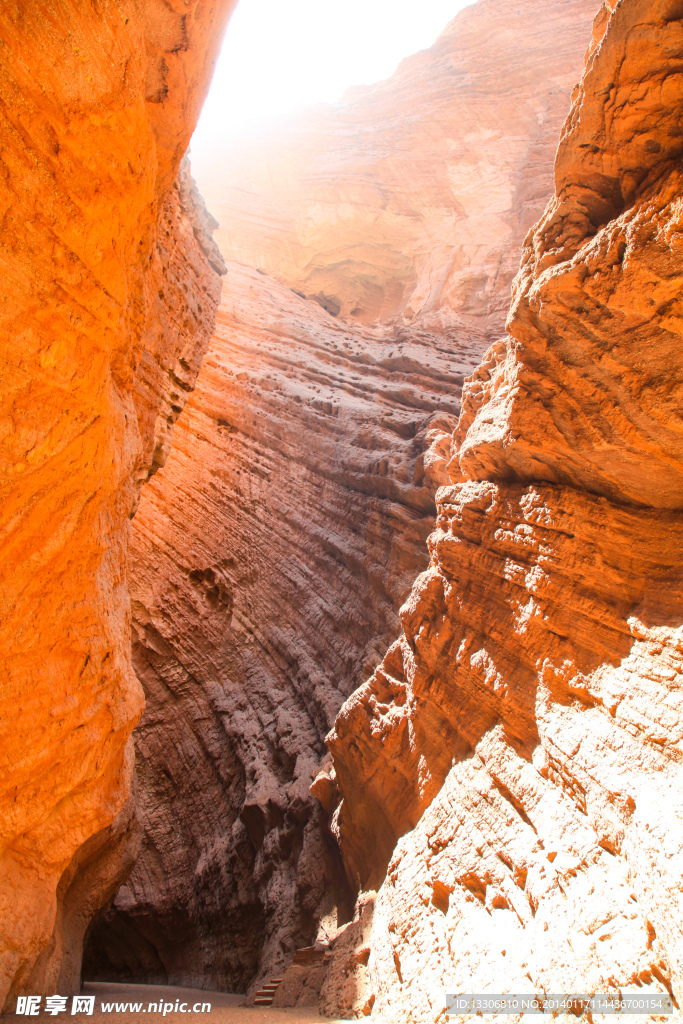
[
  {"x": 270, "y": 557},
  {"x": 412, "y": 197},
  {"x": 108, "y": 303},
  {"x": 275, "y": 548},
  {"x": 511, "y": 772}
]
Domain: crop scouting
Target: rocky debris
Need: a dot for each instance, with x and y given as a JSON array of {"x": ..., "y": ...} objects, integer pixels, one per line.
[
  {"x": 301, "y": 985},
  {"x": 304, "y": 977},
  {"x": 347, "y": 988},
  {"x": 411, "y": 198},
  {"x": 511, "y": 773},
  {"x": 108, "y": 302},
  {"x": 333, "y": 975}
]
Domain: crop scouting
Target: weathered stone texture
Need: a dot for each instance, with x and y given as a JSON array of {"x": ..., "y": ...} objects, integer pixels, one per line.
[
  {"x": 270, "y": 557},
  {"x": 97, "y": 104},
  {"x": 274, "y": 550},
  {"x": 411, "y": 198},
  {"x": 511, "y": 773}
]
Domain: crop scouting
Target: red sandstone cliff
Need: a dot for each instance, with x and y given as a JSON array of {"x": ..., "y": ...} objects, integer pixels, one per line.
[
  {"x": 274, "y": 549},
  {"x": 109, "y": 288},
  {"x": 511, "y": 772},
  {"x": 410, "y": 199},
  {"x": 270, "y": 557}
]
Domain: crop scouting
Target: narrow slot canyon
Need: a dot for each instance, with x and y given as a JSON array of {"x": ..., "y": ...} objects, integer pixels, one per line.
[
  {"x": 342, "y": 619},
  {"x": 272, "y": 553}
]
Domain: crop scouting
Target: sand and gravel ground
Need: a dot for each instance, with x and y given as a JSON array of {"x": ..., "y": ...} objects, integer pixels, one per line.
[{"x": 225, "y": 1009}]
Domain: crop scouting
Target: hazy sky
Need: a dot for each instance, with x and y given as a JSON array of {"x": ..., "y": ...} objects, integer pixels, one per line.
[{"x": 279, "y": 55}]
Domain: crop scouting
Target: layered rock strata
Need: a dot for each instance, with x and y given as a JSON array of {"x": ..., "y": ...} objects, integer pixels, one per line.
[
  {"x": 412, "y": 198},
  {"x": 511, "y": 772},
  {"x": 108, "y": 299},
  {"x": 273, "y": 551},
  {"x": 270, "y": 558}
]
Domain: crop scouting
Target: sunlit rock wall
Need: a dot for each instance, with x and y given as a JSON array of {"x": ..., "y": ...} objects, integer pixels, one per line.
[
  {"x": 108, "y": 301},
  {"x": 511, "y": 773},
  {"x": 411, "y": 198}
]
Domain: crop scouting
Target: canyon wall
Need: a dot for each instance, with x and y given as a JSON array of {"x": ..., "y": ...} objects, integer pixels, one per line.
[
  {"x": 270, "y": 557},
  {"x": 110, "y": 282},
  {"x": 411, "y": 198},
  {"x": 511, "y": 772},
  {"x": 273, "y": 551}
]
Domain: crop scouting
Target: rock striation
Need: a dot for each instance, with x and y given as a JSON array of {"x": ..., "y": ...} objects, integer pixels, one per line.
[
  {"x": 269, "y": 560},
  {"x": 412, "y": 198},
  {"x": 272, "y": 553},
  {"x": 511, "y": 772},
  {"x": 109, "y": 288}
]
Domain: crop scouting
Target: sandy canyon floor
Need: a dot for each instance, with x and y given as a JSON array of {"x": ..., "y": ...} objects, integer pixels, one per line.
[{"x": 225, "y": 1008}]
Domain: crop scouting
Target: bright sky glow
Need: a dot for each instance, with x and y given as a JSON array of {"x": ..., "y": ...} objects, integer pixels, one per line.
[{"x": 280, "y": 55}]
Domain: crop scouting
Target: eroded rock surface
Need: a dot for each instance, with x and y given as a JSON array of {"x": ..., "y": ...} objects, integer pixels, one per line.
[
  {"x": 270, "y": 557},
  {"x": 511, "y": 773},
  {"x": 274, "y": 549},
  {"x": 412, "y": 197},
  {"x": 108, "y": 299}
]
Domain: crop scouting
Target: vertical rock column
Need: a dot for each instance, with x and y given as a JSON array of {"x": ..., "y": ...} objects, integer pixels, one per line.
[{"x": 108, "y": 298}]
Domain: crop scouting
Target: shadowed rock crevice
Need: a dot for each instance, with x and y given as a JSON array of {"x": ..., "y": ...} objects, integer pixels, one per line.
[{"x": 248, "y": 640}]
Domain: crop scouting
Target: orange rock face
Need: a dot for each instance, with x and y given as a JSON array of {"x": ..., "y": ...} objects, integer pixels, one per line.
[
  {"x": 274, "y": 550},
  {"x": 270, "y": 557},
  {"x": 412, "y": 198},
  {"x": 511, "y": 772},
  {"x": 108, "y": 297}
]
